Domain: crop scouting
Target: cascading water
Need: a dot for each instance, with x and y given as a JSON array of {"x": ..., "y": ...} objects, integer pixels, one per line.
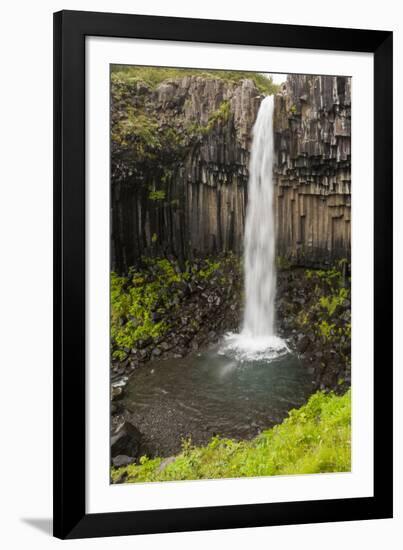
[
  {"x": 260, "y": 276},
  {"x": 257, "y": 339}
]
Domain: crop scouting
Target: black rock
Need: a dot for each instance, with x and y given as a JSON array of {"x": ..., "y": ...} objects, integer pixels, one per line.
[
  {"x": 116, "y": 392},
  {"x": 303, "y": 344},
  {"x": 126, "y": 441},
  {"x": 122, "y": 460},
  {"x": 143, "y": 355},
  {"x": 141, "y": 344}
]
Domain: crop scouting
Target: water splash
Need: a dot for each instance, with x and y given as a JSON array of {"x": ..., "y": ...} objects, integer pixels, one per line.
[{"x": 258, "y": 339}]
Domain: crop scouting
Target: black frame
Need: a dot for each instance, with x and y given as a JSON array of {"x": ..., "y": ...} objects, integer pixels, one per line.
[{"x": 70, "y": 30}]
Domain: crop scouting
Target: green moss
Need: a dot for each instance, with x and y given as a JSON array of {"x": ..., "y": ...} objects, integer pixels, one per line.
[
  {"x": 327, "y": 315},
  {"x": 158, "y": 195},
  {"x": 283, "y": 263},
  {"x": 222, "y": 114},
  {"x": 138, "y": 138},
  {"x": 325, "y": 329},
  {"x": 133, "y": 302},
  {"x": 137, "y": 131},
  {"x": 313, "y": 439},
  {"x": 152, "y": 293},
  {"x": 332, "y": 301},
  {"x": 209, "y": 269}
]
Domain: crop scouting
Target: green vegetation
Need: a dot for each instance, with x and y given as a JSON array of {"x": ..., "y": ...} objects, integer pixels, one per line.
[
  {"x": 315, "y": 305},
  {"x": 158, "y": 195},
  {"x": 142, "y": 303},
  {"x": 283, "y": 263},
  {"x": 209, "y": 269},
  {"x": 132, "y": 306},
  {"x": 313, "y": 439},
  {"x": 139, "y": 136},
  {"x": 147, "y": 145},
  {"x": 329, "y": 313},
  {"x": 153, "y": 76},
  {"x": 220, "y": 115}
]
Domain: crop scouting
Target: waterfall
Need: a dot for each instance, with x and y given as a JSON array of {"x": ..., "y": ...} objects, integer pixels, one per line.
[
  {"x": 259, "y": 262},
  {"x": 257, "y": 340}
]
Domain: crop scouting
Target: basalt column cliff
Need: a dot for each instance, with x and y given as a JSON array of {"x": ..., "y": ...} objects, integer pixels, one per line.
[
  {"x": 313, "y": 169},
  {"x": 180, "y": 156}
]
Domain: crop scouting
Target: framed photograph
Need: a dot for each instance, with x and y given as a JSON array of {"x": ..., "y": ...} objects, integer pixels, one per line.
[{"x": 222, "y": 274}]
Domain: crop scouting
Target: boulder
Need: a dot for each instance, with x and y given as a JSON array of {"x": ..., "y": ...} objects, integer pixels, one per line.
[
  {"x": 116, "y": 392},
  {"x": 303, "y": 344},
  {"x": 126, "y": 440},
  {"x": 122, "y": 460}
]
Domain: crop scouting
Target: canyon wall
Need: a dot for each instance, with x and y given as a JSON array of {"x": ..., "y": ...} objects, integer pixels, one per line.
[
  {"x": 312, "y": 128},
  {"x": 179, "y": 167},
  {"x": 180, "y": 155}
]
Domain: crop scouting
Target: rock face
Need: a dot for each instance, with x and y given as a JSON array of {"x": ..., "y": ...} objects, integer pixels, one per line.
[
  {"x": 313, "y": 168},
  {"x": 180, "y": 157}
]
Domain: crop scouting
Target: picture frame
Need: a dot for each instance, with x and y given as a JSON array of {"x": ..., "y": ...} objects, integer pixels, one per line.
[{"x": 71, "y": 519}]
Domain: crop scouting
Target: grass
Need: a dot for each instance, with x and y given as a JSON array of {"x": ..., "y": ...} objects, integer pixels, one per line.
[
  {"x": 153, "y": 76},
  {"x": 313, "y": 439}
]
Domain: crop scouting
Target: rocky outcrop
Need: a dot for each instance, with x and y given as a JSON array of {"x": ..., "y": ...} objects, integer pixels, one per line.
[
  {"x": 180, "y": 155},
  {"x": 192, "y": 310},
  {"x": 313, "y": 168},
  {"x": 314, "y": 314}
]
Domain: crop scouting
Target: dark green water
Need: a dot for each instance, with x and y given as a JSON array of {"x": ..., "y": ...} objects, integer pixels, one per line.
[{"x": 209, "y": 394}]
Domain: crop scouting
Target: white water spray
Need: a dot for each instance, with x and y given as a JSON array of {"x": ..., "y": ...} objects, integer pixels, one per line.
[
  {"x": 257, "y": 339},
  {"x": 260, "y": 275}
]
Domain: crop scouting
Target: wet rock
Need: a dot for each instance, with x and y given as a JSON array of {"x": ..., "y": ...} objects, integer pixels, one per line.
[
  {"x": 303, "y": 344},
  {"x": 144, "y": 354},
  {"x": 156, "y": 352},
  {"x": 122, "y": 460},
  {"x": 141, "y": 344},
  {"x": 116, "y": 393},
  {"x": 133, "y": 365},
  {"x": 126, "y": 440}
]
